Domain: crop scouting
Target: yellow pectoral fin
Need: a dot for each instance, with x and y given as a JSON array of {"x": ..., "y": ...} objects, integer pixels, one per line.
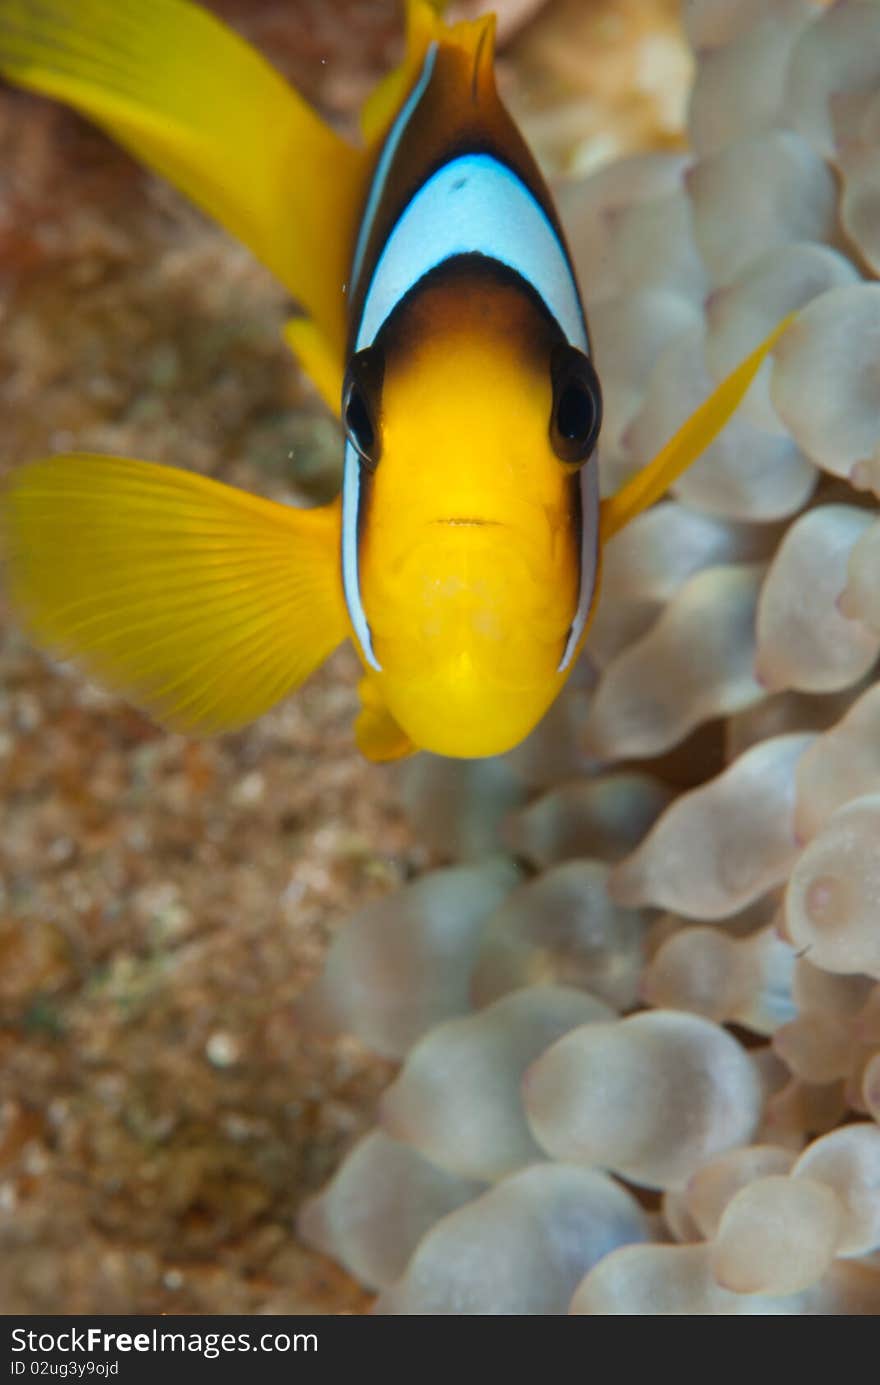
[
  {"x": 201, "y": 603},
  {"x": 685, "y": 446},
  {"x": 322, "y": 364},
  {"x": 377, "y": 734},
  {"x": 194, "y": 101}
]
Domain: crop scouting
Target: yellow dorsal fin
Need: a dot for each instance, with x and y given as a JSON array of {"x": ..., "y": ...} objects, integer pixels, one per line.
[
  {"x": 425, "y": 25},
  {"x": 318, "y": 359},
  {"x": 194, "y": 101},
  {"x": 689, "y": 443},
  {"x": 202, "y": 604}
]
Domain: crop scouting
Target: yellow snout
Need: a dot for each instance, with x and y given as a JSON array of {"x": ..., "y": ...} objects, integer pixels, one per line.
[{"x": 470, "y": 655}]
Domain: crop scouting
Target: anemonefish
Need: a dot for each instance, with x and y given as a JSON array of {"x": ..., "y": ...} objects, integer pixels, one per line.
[{"x": 440, "y": 315}]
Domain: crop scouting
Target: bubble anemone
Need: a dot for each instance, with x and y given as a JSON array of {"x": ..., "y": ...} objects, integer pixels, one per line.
[{"x": 655, "y": 961}]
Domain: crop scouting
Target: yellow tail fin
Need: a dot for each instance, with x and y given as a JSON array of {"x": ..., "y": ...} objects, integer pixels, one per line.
[
  {"x": 685, "y": 446},
  {"x": 191, "y": 99},
  {"x": 201, "y": 603}
]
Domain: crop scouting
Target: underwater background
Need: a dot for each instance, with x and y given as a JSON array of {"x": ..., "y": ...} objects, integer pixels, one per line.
[{"x": 180, "y": 1067}]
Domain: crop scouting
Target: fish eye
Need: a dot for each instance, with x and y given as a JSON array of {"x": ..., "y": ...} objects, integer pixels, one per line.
[
  {"x": 358, "y": 424},
  {"x": 577, "y": 405},
  {"x": 361, "y": 398}
]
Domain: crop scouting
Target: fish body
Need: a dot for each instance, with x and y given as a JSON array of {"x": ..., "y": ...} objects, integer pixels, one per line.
[
  {"x": 467, "y": 539},
  {"x": 442, "y": 320}
]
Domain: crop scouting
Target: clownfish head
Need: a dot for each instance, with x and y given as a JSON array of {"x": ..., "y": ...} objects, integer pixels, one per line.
[{"x": 473, "y": 422}]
